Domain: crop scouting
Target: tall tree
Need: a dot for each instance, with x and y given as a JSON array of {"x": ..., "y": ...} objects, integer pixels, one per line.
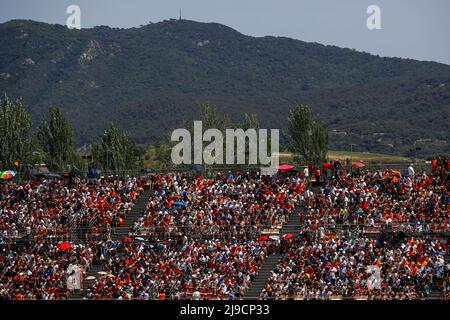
[
  {"x": 249, "y": 121},
  {"x": 15, "y": 125},
  {"x": 308, "y": 139},
  {"x": 56, "y": 140},
  {"x": 116, "y": 152},
  {"x": 157, "y": 155},
  {"x": 319, "y": 139},
  {"x": 212, "y": 118}
]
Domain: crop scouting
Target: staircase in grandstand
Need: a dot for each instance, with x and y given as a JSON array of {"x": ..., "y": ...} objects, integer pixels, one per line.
[
  {"x": 437, "y": 291},
  {"x": 293, "y": 227},
  {"x": 258, "y": 283},
  {"x": 294, "y": 224},
  {"x": 131, "y": 217},
  {"x": 93, "y": 271},
  {"x": 316, "y": 189}
]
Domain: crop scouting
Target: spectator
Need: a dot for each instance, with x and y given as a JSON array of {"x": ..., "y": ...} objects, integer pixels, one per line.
[{"x": 411, "y": 172}]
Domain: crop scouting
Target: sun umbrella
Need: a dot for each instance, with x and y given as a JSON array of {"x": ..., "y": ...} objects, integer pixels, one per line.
[
  {"x": 8, "y": 174},
  {"x": 274, "y": 237},
  {"x": 283, "y": 167},
  {"x": 263, "y": 238},
  {"x": 179, "y": 203},
  {"x": 358, "y": 164},
  {"x": 64, "y": 245},
  {"x": 126, "y": 239},
  {"x": 110, "y": 276},
  {"x": 90, "y": 278},
  {"x": 102, "y": 273},
  {"x": 287, "y": 236}
]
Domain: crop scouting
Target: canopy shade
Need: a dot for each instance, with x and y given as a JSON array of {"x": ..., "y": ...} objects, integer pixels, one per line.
[
  {"x": 64, "y": 246},
  {"x": 358, "y": 164},
  {"x": 283, "y": 167},
  {"x": 8, "y": 174}
]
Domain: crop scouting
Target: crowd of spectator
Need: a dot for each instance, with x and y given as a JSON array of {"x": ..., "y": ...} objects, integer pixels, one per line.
[
  {"x": 357, "y": 268},
  {"x": 382, "y": 199},
  {"x": 39, "y": 270},
  {"x": 225, "y": 205},
  {"x": 176, "y": 269},
  {"x": 46, "y": 208},
  {"x": 200, "y": 237}
]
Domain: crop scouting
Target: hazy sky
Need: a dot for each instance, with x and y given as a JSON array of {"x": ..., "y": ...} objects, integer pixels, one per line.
[{"x": 418, "y": 29}]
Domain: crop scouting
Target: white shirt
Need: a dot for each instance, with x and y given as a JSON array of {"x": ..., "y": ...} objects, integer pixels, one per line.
[
  {"x": 196, "y": 295},
  {"x": 411, "y": 172},
  {"x": 306, "y": 172}
]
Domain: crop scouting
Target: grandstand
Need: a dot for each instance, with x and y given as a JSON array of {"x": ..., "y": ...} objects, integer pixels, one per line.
[{"x": 228, "y": 236}]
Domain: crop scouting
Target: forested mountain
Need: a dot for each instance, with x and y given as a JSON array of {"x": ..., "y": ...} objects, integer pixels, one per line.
[{"x": 147, "y": 79}]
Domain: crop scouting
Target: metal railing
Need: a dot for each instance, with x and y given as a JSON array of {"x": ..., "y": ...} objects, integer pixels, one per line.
[
  {"x": 201, "y": 232},
  {"x": 424, "y": 228},
  {"x": 242, "y": 232}
]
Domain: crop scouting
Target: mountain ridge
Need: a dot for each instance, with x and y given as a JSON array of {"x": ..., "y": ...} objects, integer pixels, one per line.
[{"x": 139, "y": 76}]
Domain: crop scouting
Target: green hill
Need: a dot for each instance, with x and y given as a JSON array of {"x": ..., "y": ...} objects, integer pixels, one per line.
[{"x": 147, "y": 79}]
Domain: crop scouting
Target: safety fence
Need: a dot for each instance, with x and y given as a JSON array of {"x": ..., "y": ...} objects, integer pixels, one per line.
[
  {"x": 214, "y": 169},
  {"x": 240, "y": 232}
]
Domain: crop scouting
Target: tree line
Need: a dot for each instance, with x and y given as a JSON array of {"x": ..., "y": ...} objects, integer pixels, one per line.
[
  {"x": 307, "y": 138},
  {"x": 52, "y": 142}
]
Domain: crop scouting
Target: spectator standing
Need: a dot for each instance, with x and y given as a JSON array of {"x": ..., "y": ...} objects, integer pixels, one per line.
[
  {"x": 411, "y": 172},
  {"x": 317, "y": 174},
  {"x": 306, "y": 173},
  {"x": 325, "y": 167}
]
